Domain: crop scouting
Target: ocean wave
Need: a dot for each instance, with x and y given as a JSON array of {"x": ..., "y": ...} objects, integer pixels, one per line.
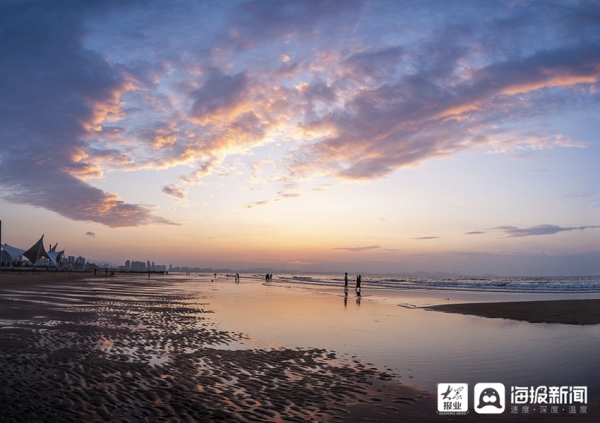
[{"x": 486, "y": 284}]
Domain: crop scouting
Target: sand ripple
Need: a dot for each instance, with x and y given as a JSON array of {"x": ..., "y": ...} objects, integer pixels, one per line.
[{"x": 130, "y": 351}]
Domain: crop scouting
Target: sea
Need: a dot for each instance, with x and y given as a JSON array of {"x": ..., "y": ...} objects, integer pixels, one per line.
[
  {"x": 391, "y": 326},
  {"x": 498, "y": 284}
]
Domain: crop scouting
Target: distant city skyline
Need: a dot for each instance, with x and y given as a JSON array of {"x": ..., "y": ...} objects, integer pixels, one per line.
[{"x": 361, "y": 136}]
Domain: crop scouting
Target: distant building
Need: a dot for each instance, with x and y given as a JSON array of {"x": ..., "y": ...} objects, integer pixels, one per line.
[{"x": 141, "y": 266}]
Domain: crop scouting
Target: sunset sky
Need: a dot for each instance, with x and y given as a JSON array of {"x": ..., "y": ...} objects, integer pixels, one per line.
[{"x": 361, "y": 136}]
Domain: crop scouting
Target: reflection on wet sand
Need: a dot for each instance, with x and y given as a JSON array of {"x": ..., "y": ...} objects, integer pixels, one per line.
[
  {"x": 135, "y": 350},
  {"x": 185, "y": 348},
  {"x": 419, "y": 346}
]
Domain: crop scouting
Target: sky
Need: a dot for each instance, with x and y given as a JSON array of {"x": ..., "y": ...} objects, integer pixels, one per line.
[{"x": 360, "y": 136}]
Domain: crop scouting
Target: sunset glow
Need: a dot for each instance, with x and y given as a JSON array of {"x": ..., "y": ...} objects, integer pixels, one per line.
[{"x": 382, "y": 137}]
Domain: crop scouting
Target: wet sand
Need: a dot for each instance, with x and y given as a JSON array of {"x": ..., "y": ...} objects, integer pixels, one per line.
[
  {"x": 138, "y": 350},
  {"x": 12, "y": 278},
  {"x": 130, "y": 349},
  {"x": 570, "y": 312}
]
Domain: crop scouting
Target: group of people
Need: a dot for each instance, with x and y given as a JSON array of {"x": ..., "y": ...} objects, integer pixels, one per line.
[
  {"x": 358, "y": 281},
  {"x": 268, "y": 277},
  {"x": 106, "y": 272}
]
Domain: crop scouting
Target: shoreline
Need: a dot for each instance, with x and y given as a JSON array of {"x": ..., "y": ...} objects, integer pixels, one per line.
[
  {"x": 9, "y": 277},
  {"x": 135, "y": 349}
]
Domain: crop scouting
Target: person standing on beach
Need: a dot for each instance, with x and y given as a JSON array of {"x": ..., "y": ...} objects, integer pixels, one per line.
[
  {"x": 346, "y": 284},
  {"x": 358, "y": 281}
]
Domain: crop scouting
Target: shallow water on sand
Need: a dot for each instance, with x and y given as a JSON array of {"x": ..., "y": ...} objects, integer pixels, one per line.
[
  {"x": 421, "y": 347},
  {"x": 131, "y": 349}
]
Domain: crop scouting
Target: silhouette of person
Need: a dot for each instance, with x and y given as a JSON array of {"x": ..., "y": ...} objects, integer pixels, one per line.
[
  {"x": 346, "y": 281},
  {"x": 358, "y": 281}
]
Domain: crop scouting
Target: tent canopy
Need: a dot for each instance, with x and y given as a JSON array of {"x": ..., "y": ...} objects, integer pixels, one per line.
[
  {"x": 13, "y": 252},
  {"x": 55, "y": 256},
  {"x": 37, "y": 251}
]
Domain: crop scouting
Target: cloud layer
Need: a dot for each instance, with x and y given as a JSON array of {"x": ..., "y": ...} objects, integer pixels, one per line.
[
  {"x": 358, "y": 249},
  {"x": 55, "y": 94},
  {"x": 512, "y": 231},
  {"x": 345, "y": 91}
]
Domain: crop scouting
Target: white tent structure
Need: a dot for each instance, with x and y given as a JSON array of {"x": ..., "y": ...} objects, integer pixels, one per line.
[
  {"x": 55, "y": 256},
  {"x": 33, "y": 254},
  {"x": 13, "y": 253}
]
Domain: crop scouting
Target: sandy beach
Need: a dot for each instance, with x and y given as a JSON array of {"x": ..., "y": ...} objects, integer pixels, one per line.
[
  {"x": 127, "y": 349},
  {"x": 569, "y": 312},
  {"x": 78, "y": 348}
]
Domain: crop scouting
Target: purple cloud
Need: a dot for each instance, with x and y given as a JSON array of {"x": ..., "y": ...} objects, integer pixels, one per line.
[
  {"x": 55, "y": 92},
  {"x": 334, "y": 83},
  {"x": 357, "y": 249},
  {"x": 218, "y": 95},
  {"x": 513, "y": 232},
  {"x": 257, "y": 22},
  {"x": 408, "y": 118},
  {"x": 174, "y": 191}
]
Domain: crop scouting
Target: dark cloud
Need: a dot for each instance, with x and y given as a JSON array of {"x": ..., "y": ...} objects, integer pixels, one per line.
[
  {"x": 319, "y": 91},
  {"x": 72, "y": 198},
  {"x": 54, "y": 95},
  {"x": 356, "y": 249},
  {"x": 90, "y": 234},
  {"x": 514, "y": 232},
  {"x": 219, "y": 94},
  {"x": 384, "y": 62},
  {"x": 474, "y": 233},
  {"x": 174, "y": 191},
  {"x": 271, "y": 20}
]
